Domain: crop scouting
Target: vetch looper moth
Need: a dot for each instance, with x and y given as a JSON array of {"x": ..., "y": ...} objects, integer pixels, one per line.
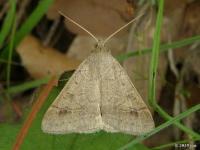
[{"x": 98, "y": 96}]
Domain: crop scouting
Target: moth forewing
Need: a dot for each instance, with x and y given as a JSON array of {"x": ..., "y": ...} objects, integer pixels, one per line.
[
  {"x": 121, "y": 105},
  {"x": 79, "y": 100}
]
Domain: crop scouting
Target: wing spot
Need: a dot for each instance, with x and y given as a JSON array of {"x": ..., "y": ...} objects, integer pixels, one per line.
[
  {"x": 71, "y": 96},
  {"x": 142, "y": 108},
  {"x": 63, "y": 112},
  {"x": 100, "y": 107},
  {"x": 134, "y": 113},
  {"x": 131, "y": 96}
]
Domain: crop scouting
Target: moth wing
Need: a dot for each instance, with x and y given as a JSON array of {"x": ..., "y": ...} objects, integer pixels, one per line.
[
  {"x": 76, "y": 108},
  {"x": 122, "y": 107}
]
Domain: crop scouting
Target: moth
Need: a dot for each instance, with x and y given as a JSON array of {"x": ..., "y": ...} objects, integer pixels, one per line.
[{"x": 98, "y": 96}]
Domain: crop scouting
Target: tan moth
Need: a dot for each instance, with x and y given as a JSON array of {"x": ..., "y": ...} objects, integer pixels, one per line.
[{"x": 98, "y": 96}]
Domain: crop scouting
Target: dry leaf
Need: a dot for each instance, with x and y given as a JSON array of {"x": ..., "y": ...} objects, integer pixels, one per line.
[
  {"x": 173, "y": 18},
  {"x": 100, "y": 17},
  {"x": 41, "y": 61},
  {"x": 180, "y": 22}
]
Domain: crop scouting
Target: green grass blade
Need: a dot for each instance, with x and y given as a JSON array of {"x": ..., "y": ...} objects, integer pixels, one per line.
[
  {"x": 153, "y": 70},
  {"x": 10, "y": 52},
  {"x": 163, "y": 48},
  {"x": 179, "y": 125},
  {"x": 155, "y": 57},
  {"x": 28, "y": 85},
  {"x": 7, "y": 24}
]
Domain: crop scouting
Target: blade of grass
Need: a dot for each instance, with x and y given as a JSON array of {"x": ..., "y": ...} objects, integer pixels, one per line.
[
  {"x": 10, "y": 52},
  {"x": 163, "y": 47},
  {"x": 179, "y": 125},
  {"x": 26, "y": 86},
  {"x": 155, "y": 57},
  {"x": 162, "y": 126},
  {"x": 12, "y": 63},
  {"x": 7, "y": 24},
  {"x": 153, "y": 70}
]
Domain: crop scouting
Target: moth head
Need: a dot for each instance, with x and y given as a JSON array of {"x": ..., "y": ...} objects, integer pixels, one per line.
[
  {"x": 100, "y": 47},
  {"x": 100, "y": 44}
]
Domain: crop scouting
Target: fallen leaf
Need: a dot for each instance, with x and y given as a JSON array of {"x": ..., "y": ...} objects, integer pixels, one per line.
[
  {"x": 41, "y": 61},
  {"x": 99, "y": 17}
]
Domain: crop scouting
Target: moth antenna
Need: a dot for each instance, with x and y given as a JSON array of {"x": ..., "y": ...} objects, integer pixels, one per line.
[
  {"x": 113, "y": 34},
  {"x": 71, "y": 20}
]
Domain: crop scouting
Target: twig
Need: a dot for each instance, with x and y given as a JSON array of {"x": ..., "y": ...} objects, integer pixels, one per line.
[
  {"x": 172, "y": 63},
  {"x": 171, "y": 60},
  {"x": 51, "y": 31},
  {"x": 178, "y": 98},
  {"x": 36, "y": 107},
  {"x": 188, "y": 122},
  {"x": 17, "y": 109},
  {"x": 178, "y": 104},
  {"x": 10, "y": 52},
  {"x": 21, "y": 11},
  {"x": 176, "y": 111},
  {"x": 3, "y": 11}
]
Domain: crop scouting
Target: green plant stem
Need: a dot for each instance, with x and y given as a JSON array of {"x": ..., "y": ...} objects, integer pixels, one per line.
[
  {"x": 163, "y": 48},
  {"x": 162, "y": 126},
  {"x": 153, "y": 70},
  {"x": 182, "y": 127},
  {"x": 5, "y": 61},
  {"x": 7, "y": 24},
  {"x": 155, "y": 57},
  {"x": 27, "y": 85},
  {"x": 10, "y": 52}
]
